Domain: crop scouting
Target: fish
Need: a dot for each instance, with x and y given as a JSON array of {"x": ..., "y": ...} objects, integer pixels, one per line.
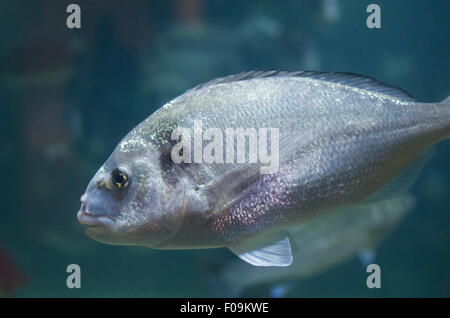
[
  {"x": 336, "y": 140},
  {"x": 323, "y": 243}
]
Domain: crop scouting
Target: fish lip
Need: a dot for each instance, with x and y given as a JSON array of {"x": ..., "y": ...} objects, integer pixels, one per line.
[
  {"x": 97, "y": 222},
  {"x": 88, "y": 219}
]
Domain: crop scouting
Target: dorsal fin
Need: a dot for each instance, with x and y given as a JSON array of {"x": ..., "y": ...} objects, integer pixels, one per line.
[{"x": 349, "y": 79}]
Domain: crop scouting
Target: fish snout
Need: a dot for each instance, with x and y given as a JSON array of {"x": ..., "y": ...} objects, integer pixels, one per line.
[
  {"x": 93, "y": 205},
  {"x": 82, "y": 213},
  {"x": 83, "y": 216},
  {"x": 83, "y": 200},
  {"x": 94, "y": 217}
]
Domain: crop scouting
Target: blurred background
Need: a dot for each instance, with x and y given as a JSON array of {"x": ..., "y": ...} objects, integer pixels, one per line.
[{"x": 69, "y": 95}]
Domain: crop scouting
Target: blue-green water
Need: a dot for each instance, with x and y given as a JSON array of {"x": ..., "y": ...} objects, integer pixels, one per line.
[{"x": 69, "y": 95}]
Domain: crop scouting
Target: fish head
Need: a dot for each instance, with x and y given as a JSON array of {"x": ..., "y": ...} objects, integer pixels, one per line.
[{"x": 129, "y": 200}]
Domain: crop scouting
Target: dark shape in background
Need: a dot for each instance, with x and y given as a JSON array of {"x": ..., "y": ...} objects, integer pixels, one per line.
[{"x": 11, "y": 277}]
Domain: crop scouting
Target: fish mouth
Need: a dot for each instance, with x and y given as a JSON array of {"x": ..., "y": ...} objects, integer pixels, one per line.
[
  {"x": 96, "y": 225},
  {"x": 91, "y": 220},
  {"x": 95, "y": 222}
]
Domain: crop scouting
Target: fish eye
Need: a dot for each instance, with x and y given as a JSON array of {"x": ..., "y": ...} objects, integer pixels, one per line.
[{"x": 119, "y": 178}]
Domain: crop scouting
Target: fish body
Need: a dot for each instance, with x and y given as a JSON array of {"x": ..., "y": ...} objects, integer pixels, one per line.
[{"x": 340, "y": 140}]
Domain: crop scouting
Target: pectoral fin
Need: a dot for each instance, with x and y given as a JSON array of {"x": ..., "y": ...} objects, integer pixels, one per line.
[{"x": 273, "y": 254}]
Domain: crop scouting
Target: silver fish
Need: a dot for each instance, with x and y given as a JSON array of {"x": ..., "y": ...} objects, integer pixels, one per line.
[
  {"x": 343, "y": 139},
  {"x": 325, "y": 242}
]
